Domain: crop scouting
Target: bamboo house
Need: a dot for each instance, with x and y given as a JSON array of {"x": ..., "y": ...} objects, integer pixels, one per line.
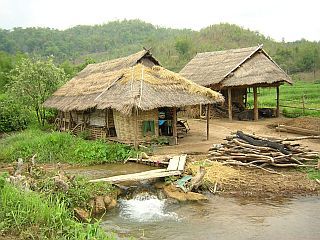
[
  {"x": 234, "y": 72},
  {"x": 130, "y": 99}
]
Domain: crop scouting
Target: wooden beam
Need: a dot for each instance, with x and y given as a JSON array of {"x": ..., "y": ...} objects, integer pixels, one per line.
[
  {"x": 278, "y": 104},
  {"x": 157, "y": 173},
  {"x": 255, "y": 104},
  {"x": 174, "y": 126},
  {"x": 229, "y": 104},
  {"x": 208, "y": 119}
]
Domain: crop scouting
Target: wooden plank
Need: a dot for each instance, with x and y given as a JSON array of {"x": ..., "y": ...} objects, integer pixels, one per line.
[
  {"x": 297, "y": 130},
  {"x": 138, "y": 176},
  {"x": 182, "y": 162},
  {"x": 173, "y": 163}
]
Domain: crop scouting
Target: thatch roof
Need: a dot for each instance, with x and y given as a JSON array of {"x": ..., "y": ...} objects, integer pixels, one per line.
[
  {"x": 125, "y": 86},
  {"x": 234, "y": 67}
]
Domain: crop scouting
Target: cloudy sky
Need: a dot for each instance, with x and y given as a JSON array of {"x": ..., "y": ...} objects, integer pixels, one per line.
[{"x": 288, "y": 19}]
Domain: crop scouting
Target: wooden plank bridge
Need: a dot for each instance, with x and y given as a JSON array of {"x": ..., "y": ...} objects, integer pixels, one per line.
[{"x": 175, "y": 167}]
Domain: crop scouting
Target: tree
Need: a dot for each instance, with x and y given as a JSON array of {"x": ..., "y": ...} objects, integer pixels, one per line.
[
  {"x": 183, "y": 46},
  {"x": 32, "y": 82}
]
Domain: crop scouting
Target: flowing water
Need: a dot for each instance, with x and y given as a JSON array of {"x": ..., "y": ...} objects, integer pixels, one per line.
[{"x": 147, "y": 215}]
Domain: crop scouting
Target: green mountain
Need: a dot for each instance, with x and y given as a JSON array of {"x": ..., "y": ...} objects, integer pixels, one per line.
[{"x": 173, "y": 47}]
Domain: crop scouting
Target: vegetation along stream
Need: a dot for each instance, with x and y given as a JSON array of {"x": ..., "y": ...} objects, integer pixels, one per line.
[{"x": 146, "y": 214}]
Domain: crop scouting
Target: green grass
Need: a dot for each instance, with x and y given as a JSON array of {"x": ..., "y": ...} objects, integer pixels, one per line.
[
  {"x": 313, "y": 173},
  {"x": 52, "y": 147},
  {"x": 291, "y": 96},
  {"x": 32, "y": 216}
]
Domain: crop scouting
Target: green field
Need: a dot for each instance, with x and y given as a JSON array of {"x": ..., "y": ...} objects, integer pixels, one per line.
[{"x": 291, "y": 96}]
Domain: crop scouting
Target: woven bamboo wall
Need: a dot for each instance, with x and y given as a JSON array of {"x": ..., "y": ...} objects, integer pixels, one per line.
[
  {"x": 125, "y": 125},
  {"x": 190, "y": 112},
  {"x": 97, "y": 118},
  {"x": 96, "y": 132}
]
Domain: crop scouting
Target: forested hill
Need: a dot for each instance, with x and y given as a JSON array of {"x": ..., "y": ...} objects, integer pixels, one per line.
[{"x": 173, "y": 47}]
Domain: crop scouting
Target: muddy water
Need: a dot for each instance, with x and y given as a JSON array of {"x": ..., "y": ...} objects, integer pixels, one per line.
[{"x": 219, "y": 218}]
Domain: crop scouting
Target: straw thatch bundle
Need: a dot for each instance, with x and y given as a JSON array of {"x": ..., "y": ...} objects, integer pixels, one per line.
[
  {"x": 235, "y": 67},
  {"x": 124, "y": 84}
]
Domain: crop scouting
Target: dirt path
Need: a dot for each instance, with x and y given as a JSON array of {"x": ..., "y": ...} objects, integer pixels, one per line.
[{"x": 195, "y": 141}]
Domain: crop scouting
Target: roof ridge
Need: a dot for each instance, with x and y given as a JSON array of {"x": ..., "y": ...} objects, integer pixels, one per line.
[{"x": 242, "y": 62}]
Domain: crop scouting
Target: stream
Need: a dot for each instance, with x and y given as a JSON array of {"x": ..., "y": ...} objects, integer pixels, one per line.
[{"x": 147, "y": 215}]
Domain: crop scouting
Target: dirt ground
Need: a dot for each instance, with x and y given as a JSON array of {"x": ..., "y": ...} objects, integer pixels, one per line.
[
  {"x": 195, "y": 141},
  {"x": 245, "y": 181}
]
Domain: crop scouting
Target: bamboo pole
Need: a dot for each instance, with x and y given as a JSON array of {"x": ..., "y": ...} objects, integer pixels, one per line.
[
  {"x": 208, "y": 119},
  {"x": 136, "y": 144},
  {"x": 278, "y": 108},
  {"x": 229, "y": 104},
  {"x": 255, "y": 104},
  {"x": 174, "y": 126}
]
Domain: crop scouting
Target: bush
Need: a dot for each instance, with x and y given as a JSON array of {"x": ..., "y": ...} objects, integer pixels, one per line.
[{"x": 12, "y": 115}]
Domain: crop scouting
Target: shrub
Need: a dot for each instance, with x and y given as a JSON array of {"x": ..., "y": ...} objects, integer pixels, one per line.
[{"x": 12, "y": 115}]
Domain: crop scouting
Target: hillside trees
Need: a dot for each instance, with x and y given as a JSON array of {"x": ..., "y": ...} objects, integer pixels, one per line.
[{"x": 173, "y": 47}]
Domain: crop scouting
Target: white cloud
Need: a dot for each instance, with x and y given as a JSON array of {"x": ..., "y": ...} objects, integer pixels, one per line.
[{"x": 292, "y": 20}]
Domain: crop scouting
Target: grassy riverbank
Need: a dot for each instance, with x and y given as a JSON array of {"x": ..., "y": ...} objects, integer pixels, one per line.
[
  {"x": 53, "y": 147},
  {"x": 35, "y": 215}
]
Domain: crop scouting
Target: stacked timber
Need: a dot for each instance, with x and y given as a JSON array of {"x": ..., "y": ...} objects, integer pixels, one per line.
[{"x": 255, "y": 151}]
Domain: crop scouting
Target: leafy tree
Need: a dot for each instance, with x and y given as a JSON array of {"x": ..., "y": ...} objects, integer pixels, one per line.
[
  {"x": 183, "y": 46},
  {"x": 32, "y": 82}
]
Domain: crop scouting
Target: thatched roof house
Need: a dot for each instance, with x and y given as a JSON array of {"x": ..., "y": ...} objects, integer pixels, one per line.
[
  {"x": 120, "y": 94},
  {"x": 235, "y": 70}
]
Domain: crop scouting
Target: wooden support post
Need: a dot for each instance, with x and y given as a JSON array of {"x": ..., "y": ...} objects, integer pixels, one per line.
[
  {"x": 255, "y": 104},
  {"x": 246, "y": 99},
  {"x": 278, "y": 104},
  {"x": 136, "y": 144},
  {"x": 174, "y": 126},
  {"x": 208, "y": 119},
  {"x": 229, "y": 104},
  {"x": 200, "y": 111}
]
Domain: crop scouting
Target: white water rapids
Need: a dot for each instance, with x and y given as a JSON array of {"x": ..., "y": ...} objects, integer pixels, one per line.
[{"x": 145, "y": 208}]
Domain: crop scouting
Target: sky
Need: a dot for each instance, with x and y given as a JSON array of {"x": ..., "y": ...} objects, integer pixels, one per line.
[{"x": 279, "y": 19}]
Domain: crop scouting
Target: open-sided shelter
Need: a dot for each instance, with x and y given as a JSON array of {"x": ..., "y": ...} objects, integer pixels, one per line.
[
  {"x": 235, "y": 71},
  {"x": 130, "y": 99}
]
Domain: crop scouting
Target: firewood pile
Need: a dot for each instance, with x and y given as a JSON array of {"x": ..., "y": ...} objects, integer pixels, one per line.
[{"x": 255, "y": 151}]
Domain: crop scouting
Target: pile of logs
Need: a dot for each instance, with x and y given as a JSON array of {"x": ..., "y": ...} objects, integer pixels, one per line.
[{"x": 254, "y": 151}]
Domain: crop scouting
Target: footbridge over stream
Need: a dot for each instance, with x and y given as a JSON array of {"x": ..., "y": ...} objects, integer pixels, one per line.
[{"x": 175, "y": 167}]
